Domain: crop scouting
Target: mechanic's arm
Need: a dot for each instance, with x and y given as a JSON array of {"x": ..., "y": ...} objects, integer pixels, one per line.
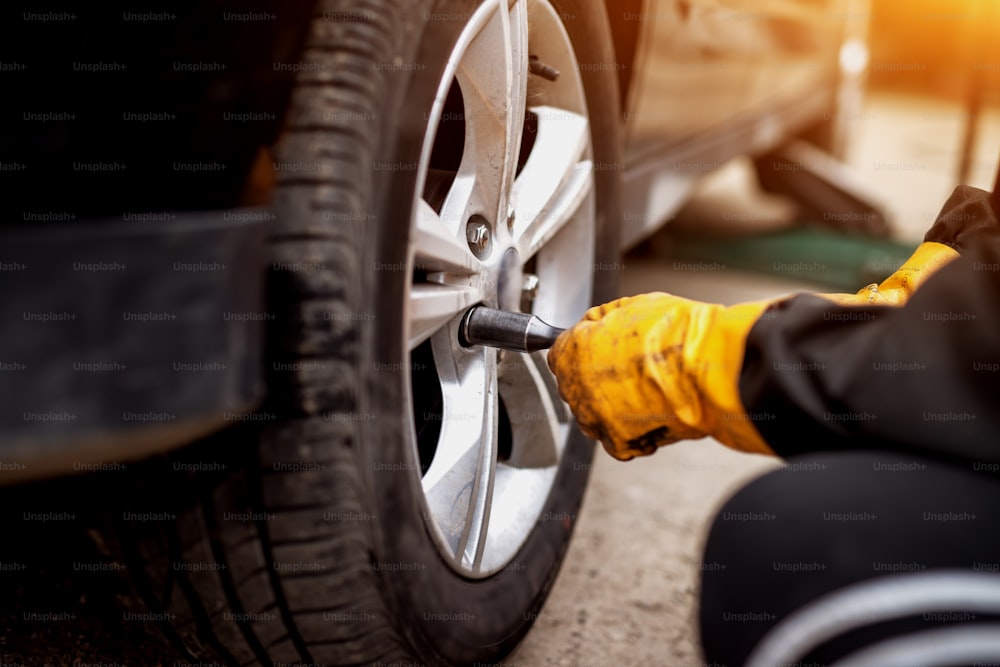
[
  {"x": 803, "y": 373},
  {"x": 923, "y": 378}
]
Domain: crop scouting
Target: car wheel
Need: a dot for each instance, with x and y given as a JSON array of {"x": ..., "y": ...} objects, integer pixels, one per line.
[{"x": 409, "y": 498}]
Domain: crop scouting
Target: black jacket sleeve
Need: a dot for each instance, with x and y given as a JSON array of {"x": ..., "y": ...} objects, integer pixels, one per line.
[{"x": 923, "y": 378}]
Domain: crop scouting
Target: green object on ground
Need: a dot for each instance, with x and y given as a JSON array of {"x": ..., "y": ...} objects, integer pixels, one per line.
[{"x": 842, "y": 261}]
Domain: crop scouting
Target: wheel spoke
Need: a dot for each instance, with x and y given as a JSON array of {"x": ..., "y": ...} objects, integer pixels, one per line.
[
  {"x": 555, "y": 180},
  {"x": 436, "y": 248},
  {"x": 533, "y": 413},
  {"x": 517, "y": 65},
  {"x": 459, "y": 483},
  {"x": 493, "y": 78},
  {"x": 559, "y": 301},
  {"x": 432, "y": 305}
]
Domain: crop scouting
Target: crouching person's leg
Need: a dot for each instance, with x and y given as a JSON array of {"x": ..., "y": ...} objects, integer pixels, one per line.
[{"x": 884, "y": 559}]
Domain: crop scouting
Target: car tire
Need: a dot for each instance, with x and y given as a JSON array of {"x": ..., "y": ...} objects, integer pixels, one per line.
[{"x": 304, "y": 534}]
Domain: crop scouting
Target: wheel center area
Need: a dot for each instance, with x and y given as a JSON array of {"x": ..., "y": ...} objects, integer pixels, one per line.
[{"x": 509, "y": 281}]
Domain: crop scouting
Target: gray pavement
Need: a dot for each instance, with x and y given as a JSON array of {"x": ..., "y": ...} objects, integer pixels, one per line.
[{"x": 628, "y": 589}]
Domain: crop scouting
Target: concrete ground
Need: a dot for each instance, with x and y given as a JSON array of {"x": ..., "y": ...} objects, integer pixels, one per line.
[{"x": 627, "y": 592}]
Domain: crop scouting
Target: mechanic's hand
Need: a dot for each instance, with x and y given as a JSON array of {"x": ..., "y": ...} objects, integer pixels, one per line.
[
  {"x": 896, "y": 290},
  {"x": 966, "y": 217},
  {"x": 649, "y": 370}
]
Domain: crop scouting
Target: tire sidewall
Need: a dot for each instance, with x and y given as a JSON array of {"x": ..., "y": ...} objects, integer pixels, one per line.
[{"x": 448, "y": 618}]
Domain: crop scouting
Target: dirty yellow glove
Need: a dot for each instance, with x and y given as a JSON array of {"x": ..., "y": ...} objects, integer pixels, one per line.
[{"x": 649, "y": 370}]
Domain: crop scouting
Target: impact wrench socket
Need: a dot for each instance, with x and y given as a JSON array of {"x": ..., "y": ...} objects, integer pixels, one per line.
[{"x": 520, "y": 332}]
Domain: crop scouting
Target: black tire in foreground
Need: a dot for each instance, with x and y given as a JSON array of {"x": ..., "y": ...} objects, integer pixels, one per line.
[{"x": 300, "y": 535}]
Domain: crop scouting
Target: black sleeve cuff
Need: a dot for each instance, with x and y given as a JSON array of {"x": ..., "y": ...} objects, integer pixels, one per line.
[{"x": 967, "y": 216}]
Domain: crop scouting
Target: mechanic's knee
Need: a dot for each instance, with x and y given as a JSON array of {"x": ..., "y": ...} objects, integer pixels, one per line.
[
  {"x": 776, "y": 544},
  {"x": 822, "y": 523}
]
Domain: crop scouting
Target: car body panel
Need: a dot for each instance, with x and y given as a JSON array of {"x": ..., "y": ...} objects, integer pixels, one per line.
[
  {"x": 714, "y": 79},
  {"x": 682, "y": 84}
]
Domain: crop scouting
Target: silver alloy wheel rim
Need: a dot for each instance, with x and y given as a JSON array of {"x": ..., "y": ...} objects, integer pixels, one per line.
[{"x": 479, "y": 511}]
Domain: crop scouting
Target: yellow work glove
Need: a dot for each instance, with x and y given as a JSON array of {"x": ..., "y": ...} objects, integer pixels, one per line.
[
  {"x": 649, "y": 370},
  {"x": 897, "y": 288}
]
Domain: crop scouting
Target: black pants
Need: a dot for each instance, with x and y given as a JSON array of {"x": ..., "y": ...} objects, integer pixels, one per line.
[{"x": 844, "y": 554}]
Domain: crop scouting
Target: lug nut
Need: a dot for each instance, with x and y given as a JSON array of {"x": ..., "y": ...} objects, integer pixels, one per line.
[{"x": 477, "y": 233}]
